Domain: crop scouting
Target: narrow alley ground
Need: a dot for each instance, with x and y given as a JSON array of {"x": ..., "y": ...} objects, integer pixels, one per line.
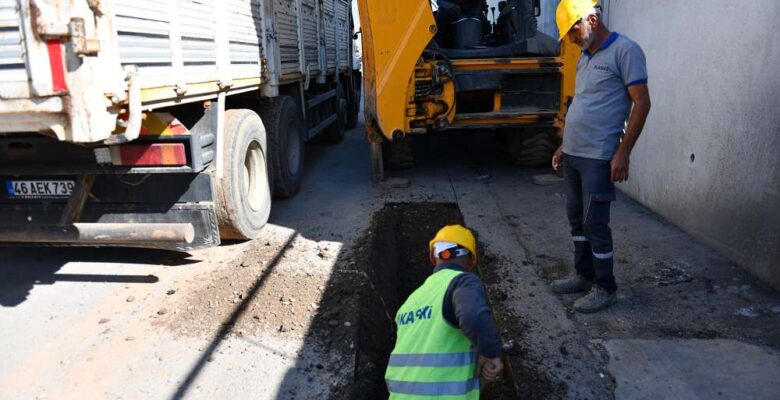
[{"x": 301, "y": 312}]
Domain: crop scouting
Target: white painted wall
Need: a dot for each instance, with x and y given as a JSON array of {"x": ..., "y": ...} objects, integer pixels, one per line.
[{"x": 709, "y": 158}]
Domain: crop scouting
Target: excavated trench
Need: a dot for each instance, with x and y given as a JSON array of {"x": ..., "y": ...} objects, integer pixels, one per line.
[{"x": 394, "y": 254}]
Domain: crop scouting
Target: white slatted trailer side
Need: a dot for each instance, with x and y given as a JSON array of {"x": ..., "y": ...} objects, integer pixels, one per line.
[
  {"x": 170, "y": 52},
  {"x": 307, "y": 33}
]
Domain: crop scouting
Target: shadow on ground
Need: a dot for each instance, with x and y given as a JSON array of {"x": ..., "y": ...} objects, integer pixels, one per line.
[{"x": 24, "y": 267}]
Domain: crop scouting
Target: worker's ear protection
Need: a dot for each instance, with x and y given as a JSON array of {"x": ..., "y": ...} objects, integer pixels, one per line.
[{"x": 449, "y": 254}]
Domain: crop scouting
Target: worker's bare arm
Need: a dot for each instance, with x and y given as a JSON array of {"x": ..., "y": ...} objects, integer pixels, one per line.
[
  {"x": 557, "y": 159},
  {"x": 640, "y": 95}
]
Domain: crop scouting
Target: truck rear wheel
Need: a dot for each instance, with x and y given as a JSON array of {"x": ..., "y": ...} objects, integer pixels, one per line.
[
  {"x": 532, "y": 147},
  {"x": 354, "y": 111},
  {"x": 335, "y": 132},
  {"x": 285, "y": 128},
  {"x": 353, "y": 101},
  {"x": 243, "y": 193}
]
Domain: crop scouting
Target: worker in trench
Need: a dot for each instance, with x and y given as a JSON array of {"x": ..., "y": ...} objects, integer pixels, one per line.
[
  {"x": 446, "y": 338},
  {"x": 610, "y": 89}
]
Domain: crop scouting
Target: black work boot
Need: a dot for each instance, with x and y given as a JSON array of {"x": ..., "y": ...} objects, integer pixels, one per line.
[
  {"x": 573, "y": 283},
  {"x": 596, "y": 300}
]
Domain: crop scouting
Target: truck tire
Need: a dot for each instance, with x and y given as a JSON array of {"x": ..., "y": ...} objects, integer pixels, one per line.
[
  {"x": 532, "y": 147},
  {"x": 354, "y": 111},
  {"x": 285, "y": 128},
  {"x": 335, "y": 132},
  {"x": 354, "y": 101},
  {"x": 243, "y": 194}
]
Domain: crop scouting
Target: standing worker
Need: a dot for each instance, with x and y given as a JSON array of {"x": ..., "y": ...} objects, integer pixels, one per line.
[
  {"x": 610, "y": 88},
  {"x": 446, "y": 335}
]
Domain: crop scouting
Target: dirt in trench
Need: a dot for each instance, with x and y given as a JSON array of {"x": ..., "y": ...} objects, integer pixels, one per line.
[{"x": 395, "y": 254}]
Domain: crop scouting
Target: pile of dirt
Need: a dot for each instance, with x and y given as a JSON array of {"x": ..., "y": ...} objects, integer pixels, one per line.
[{"x": 274, "y": 288}]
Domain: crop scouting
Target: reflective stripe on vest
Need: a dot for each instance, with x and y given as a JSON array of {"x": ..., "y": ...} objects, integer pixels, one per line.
[
  {"x": 432, "y": 360},
  {"x": 431, "y": 357},
  {"x": 433, "y": 388}
]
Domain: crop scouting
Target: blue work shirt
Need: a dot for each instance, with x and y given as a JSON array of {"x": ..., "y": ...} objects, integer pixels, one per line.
[
  {"x": 597, "y": 116},
  {"x": 465, "y": 306}
]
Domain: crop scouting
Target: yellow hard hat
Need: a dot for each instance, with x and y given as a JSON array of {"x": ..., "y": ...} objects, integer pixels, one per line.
[
  {"x": 455, "y": 234},
  {"x": 571, "y": 11}
]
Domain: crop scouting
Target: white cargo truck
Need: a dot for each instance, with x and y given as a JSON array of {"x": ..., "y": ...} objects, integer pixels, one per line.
[{"x": 164, "y": 123}]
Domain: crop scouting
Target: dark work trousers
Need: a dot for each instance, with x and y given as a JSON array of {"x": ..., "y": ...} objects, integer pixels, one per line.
[{"x": 589, "y": 192}]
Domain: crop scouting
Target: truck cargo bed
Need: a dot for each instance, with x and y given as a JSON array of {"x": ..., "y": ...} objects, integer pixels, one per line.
[{"x": 69, "y": 68}]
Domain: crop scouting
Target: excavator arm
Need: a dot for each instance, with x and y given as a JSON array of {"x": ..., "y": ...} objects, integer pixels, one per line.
[{"x": 394, "y": 35}]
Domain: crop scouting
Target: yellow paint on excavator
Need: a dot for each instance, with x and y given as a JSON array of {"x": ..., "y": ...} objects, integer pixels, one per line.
[{"x": 394, "y": 35}]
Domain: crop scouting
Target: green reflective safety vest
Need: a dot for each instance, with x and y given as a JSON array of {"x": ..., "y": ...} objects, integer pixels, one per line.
[{"x": 431, "y": 358}]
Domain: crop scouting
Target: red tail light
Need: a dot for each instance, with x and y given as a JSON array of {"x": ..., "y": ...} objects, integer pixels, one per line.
[{"x": 157, "y": 154}]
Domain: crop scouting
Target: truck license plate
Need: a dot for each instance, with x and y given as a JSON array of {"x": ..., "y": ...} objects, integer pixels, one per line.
[{"x": 39, "y": 189}]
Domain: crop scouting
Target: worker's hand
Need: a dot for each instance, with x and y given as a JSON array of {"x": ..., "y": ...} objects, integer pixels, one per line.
[
  {"x": 489, "y": 368},
  {"x": 619, "y": 166},
  {"x": 557, "y": 159}
]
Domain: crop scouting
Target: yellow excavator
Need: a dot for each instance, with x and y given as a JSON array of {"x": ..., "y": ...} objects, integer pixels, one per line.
[{"x": 446, "y": 65}]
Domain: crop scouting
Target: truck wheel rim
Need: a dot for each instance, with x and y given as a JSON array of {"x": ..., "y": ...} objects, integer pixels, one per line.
[{"x": 254, "y": 176}]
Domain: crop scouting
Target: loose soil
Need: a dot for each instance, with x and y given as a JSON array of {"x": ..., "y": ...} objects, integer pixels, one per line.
[{"x": 274, "y": 289}]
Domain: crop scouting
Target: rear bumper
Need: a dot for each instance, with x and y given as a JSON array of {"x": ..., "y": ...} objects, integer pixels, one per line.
[
  {"x": 180, "y": 227},
  {"x": 99, "y": 233}
]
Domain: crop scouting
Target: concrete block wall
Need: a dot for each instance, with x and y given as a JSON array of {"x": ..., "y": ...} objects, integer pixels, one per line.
[{"x": 709, "y": 157}]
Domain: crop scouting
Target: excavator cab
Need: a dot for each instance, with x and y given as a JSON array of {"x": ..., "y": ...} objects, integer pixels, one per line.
[
  {"x": 471, "y": 29},
  {"x": 460, "y": 65}
]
